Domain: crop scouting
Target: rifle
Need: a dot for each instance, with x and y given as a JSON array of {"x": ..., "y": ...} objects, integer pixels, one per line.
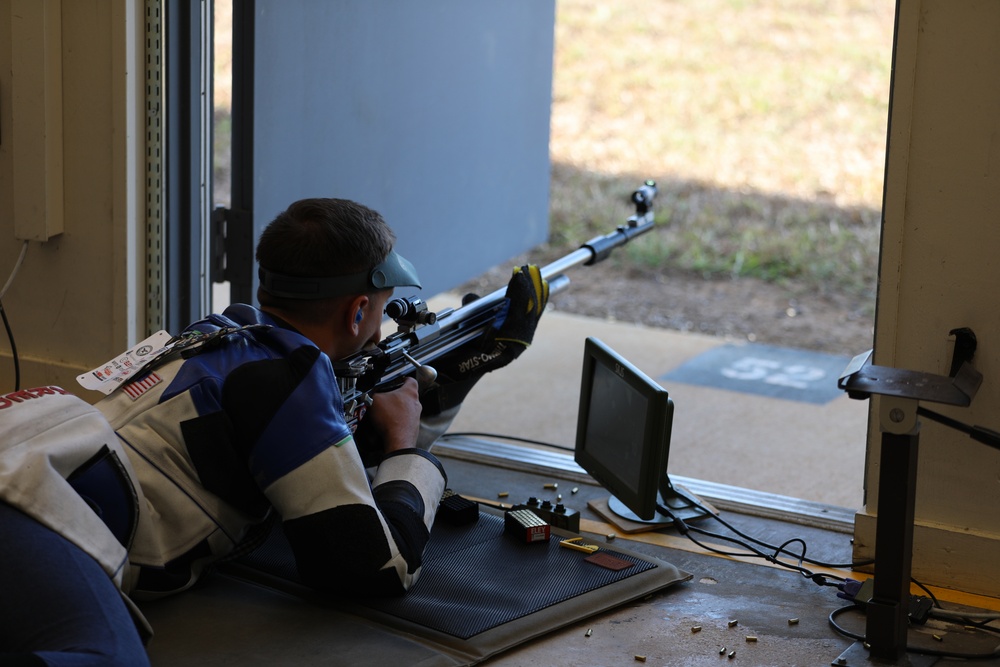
[{"x": 423, "y": 335}]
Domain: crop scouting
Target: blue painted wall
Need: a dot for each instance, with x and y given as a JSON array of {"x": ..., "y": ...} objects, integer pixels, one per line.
[{"x": 435, "y": 113}]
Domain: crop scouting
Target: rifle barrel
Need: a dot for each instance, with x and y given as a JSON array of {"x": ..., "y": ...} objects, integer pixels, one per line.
[
  {"x": 551, "y": 272},
  {"x": 589, "y": 253}
]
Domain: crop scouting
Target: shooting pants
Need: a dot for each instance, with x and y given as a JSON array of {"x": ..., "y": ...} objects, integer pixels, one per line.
[{"x": 58, "y": 603}]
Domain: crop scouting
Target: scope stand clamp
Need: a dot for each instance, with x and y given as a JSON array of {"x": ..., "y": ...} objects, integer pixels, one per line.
[{"x": 901, "y": 392}]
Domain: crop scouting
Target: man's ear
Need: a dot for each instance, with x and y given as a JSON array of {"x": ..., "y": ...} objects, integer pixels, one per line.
[{"x": 355, "y": 312}]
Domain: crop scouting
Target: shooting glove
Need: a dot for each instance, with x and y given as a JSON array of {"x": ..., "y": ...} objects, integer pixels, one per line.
[{"x": 511, "y": 333}]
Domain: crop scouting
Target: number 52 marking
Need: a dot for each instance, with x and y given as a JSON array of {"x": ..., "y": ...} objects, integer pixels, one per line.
[{"x": 769, "y": 371}]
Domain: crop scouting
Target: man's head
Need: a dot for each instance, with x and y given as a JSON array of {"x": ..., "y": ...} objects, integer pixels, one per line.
[{"x": 327, "y": 264}]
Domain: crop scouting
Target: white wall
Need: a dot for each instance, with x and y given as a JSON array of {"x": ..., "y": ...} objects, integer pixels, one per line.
[
  {"x": 72, "y": 305},
  {"x": 940, "y": 270}
]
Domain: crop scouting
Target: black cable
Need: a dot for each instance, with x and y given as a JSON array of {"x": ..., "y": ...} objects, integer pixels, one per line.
[
  {"x": 981, "y": 625},
  {"x": 930, "y": 593},
  {"x": 842, "y": 630},
  {"x": 781, "y": 548},
  {"x": 690, "y": 500},
  {"x": 820, "y": 579},
  {"x": 13, "y": 348},
  {"x": 777, "y": 549},
  {"x": 686, "y": 530},
  {"x": 6, "y": 323},
  {"x": 981, "y": 434},
  {"x": 909, "y": 649},
  {"x": 691, "y": 503}
]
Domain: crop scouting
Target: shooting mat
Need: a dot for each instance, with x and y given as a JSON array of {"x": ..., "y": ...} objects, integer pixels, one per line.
[{"x": 481, "y": 592}]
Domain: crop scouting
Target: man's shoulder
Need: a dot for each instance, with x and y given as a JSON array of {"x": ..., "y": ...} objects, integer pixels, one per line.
[{"x": 251, "y": 324}]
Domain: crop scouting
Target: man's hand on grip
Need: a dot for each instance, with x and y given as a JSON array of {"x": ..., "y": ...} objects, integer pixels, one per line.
[{"x": 392, "y": 422}]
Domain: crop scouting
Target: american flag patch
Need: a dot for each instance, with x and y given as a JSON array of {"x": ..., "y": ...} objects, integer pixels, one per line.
[{"x": 137, "y": 388}]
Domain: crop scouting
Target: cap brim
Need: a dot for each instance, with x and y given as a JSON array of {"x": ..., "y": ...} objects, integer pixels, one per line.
[{"x": 395, "y": 271}]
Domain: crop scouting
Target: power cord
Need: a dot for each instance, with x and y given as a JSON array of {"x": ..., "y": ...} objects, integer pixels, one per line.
[
  {"x": 836, "y": 613},
  {"x": 781, "y": 549},
  {"x": 819, "y": 578},
  {"x": 692, "y": 504},
  {"x": 6, "y": 322},
  {"x": 13, "y": 348},
  {"x": 17, "y": 267},
  {"x": 920, "y": 607}
]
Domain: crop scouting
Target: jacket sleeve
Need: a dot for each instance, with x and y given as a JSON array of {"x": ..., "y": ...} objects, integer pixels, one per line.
[
  {"x": 347, "y": 532},
  {"x": 349, "y": 536}
]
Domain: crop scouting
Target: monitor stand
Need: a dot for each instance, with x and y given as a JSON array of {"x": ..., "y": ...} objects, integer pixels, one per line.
[{"x": 682, "y": 503}]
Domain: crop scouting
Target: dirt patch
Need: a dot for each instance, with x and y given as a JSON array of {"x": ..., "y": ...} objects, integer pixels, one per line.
[{"x": 743, "y": 309}]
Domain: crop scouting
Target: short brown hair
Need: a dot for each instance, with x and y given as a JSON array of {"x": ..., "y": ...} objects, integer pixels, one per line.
[{"x": 321, "y": 237}]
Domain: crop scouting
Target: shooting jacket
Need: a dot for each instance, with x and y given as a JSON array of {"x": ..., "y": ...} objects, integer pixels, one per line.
[{"x": 210, "y": 445}]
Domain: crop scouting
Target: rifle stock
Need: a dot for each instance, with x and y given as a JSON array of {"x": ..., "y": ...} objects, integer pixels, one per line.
[{"x": 423, "y": 336}]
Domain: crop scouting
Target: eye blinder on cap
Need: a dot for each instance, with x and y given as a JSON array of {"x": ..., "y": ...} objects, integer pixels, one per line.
[{"x": 395, "y": 271}]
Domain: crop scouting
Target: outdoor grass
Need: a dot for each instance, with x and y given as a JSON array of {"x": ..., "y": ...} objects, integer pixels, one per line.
[{"x": 762, "y": 122}]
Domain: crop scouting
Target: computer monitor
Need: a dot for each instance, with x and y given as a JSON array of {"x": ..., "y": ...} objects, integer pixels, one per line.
[{"x": 623, "y": 437}]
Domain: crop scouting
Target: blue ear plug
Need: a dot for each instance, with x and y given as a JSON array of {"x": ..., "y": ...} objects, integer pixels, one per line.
[{"x": 358, "y": 317}]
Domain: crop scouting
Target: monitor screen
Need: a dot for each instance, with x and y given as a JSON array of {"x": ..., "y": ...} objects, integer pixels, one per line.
[{"x": 623, "y": 438}]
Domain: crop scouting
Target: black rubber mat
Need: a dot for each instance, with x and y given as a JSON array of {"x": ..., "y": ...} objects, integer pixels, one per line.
[{"x": 476, "y": 577}]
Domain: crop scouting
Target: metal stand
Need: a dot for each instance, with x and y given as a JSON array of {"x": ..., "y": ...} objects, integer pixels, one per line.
[{"x": 901, "y": 391}]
